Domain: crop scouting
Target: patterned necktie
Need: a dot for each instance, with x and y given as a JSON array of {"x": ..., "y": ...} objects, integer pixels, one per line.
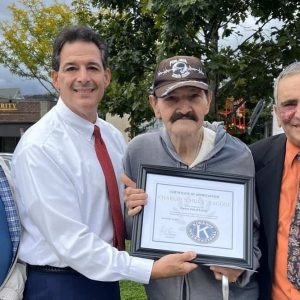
[
  {"x": 293, "y": 263},
  {"x": 112, "y": 189}
]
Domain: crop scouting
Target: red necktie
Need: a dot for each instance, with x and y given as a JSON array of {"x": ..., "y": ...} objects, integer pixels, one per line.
[{"x": 112, "y": 189}]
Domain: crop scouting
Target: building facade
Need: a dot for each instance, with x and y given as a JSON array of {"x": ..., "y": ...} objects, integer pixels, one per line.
[{"x": 18, "y": 113}]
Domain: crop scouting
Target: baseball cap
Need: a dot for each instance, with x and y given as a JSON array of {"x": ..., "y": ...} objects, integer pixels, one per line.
[{"x": 178, "y": 71}]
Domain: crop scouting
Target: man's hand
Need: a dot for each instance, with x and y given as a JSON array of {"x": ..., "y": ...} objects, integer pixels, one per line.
[
  {"x": 134, "y": 198},
  {"x": 170, "y": 265},
  {"x": 173, "y": 265},
  {"x": 232, "y": 274}
]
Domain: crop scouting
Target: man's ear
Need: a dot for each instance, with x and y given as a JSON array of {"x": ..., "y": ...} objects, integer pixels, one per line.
[
  {"x": 209, "y": 98},
  {"x": 153, "y": 103},
  {"x": 54, "y": 77},
  {"x": 277, "y": 115},
  {"x": 107, "y": 77}
]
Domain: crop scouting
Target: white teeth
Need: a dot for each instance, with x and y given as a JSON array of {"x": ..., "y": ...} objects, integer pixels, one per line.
[{"x": 83, "y": 90}]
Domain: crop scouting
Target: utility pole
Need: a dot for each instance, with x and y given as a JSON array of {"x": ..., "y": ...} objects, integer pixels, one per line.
[{"x": 255, "y": 115}]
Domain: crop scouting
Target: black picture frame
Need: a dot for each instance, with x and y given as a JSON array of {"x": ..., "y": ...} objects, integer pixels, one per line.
[{"x": 152, "y": 178}]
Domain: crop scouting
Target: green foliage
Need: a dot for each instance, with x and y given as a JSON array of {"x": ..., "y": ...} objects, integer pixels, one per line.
[
  {"x": 141, "y": 33},
  {"x": 144, "y": 32},
  {"x": 132, "y": 60},
  {"x": 83, "y": 12}
]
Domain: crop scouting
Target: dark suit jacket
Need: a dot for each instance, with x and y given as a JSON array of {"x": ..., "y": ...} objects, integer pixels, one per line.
[{"x": 269, "y": 155}]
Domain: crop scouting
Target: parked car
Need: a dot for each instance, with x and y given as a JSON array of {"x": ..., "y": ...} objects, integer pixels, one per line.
[{"x": 7, "y": 157}]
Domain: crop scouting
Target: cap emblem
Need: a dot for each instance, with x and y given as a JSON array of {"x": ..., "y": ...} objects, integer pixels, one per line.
[{"x": 179, "y": 69}]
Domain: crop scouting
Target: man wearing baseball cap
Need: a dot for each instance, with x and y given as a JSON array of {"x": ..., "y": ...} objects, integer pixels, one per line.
[{"x": 180, "y": 99}]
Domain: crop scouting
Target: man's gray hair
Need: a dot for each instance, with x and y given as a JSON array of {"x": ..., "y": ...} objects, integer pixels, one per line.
[{"x": 291, "y": 69}]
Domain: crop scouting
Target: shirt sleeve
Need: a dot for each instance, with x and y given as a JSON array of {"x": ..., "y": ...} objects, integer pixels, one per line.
[{"x": 48, "y": 198}]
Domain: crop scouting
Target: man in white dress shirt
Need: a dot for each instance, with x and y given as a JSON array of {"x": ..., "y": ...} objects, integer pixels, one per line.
[{"x": 61, "y": 192}]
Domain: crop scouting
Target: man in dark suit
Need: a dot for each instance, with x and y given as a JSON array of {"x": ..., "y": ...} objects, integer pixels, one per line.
[{"x": 277, "y": 183}]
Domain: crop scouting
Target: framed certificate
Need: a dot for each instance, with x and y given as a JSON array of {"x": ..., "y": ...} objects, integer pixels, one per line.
[{"x": 209, "y": 213}]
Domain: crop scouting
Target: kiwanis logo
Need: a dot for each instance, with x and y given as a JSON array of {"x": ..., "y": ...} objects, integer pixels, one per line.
[{"x": 202, "y": 232}]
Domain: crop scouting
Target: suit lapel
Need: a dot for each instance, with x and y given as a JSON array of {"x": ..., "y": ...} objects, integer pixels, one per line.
[{"x": 268, "y": 178}]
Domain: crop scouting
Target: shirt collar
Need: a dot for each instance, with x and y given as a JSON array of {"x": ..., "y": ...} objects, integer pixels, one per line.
[
  {"x": 291, "y": 152},
  {"x": 75, "y": 121}
]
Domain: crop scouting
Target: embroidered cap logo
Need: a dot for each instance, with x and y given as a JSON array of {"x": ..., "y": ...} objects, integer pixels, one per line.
[{"x": 179, "y": 68}]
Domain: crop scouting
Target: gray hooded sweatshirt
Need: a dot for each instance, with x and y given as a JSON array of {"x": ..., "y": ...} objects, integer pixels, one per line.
[{"x": 229, "y": 155}]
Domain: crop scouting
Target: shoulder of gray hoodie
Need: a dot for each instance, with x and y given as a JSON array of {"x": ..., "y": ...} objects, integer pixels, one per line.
[{"x": 229, "y": 155}]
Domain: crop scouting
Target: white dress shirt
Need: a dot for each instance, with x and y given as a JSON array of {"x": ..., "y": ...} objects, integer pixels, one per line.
[{"x": 62, "y": 198}]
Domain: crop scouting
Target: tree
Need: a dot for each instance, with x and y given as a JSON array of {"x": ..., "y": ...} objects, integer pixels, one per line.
[
  {"x": 131, "y": 36},
  {"x": 140, "y": 33},
  {"x": 27, "y": 44}
]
